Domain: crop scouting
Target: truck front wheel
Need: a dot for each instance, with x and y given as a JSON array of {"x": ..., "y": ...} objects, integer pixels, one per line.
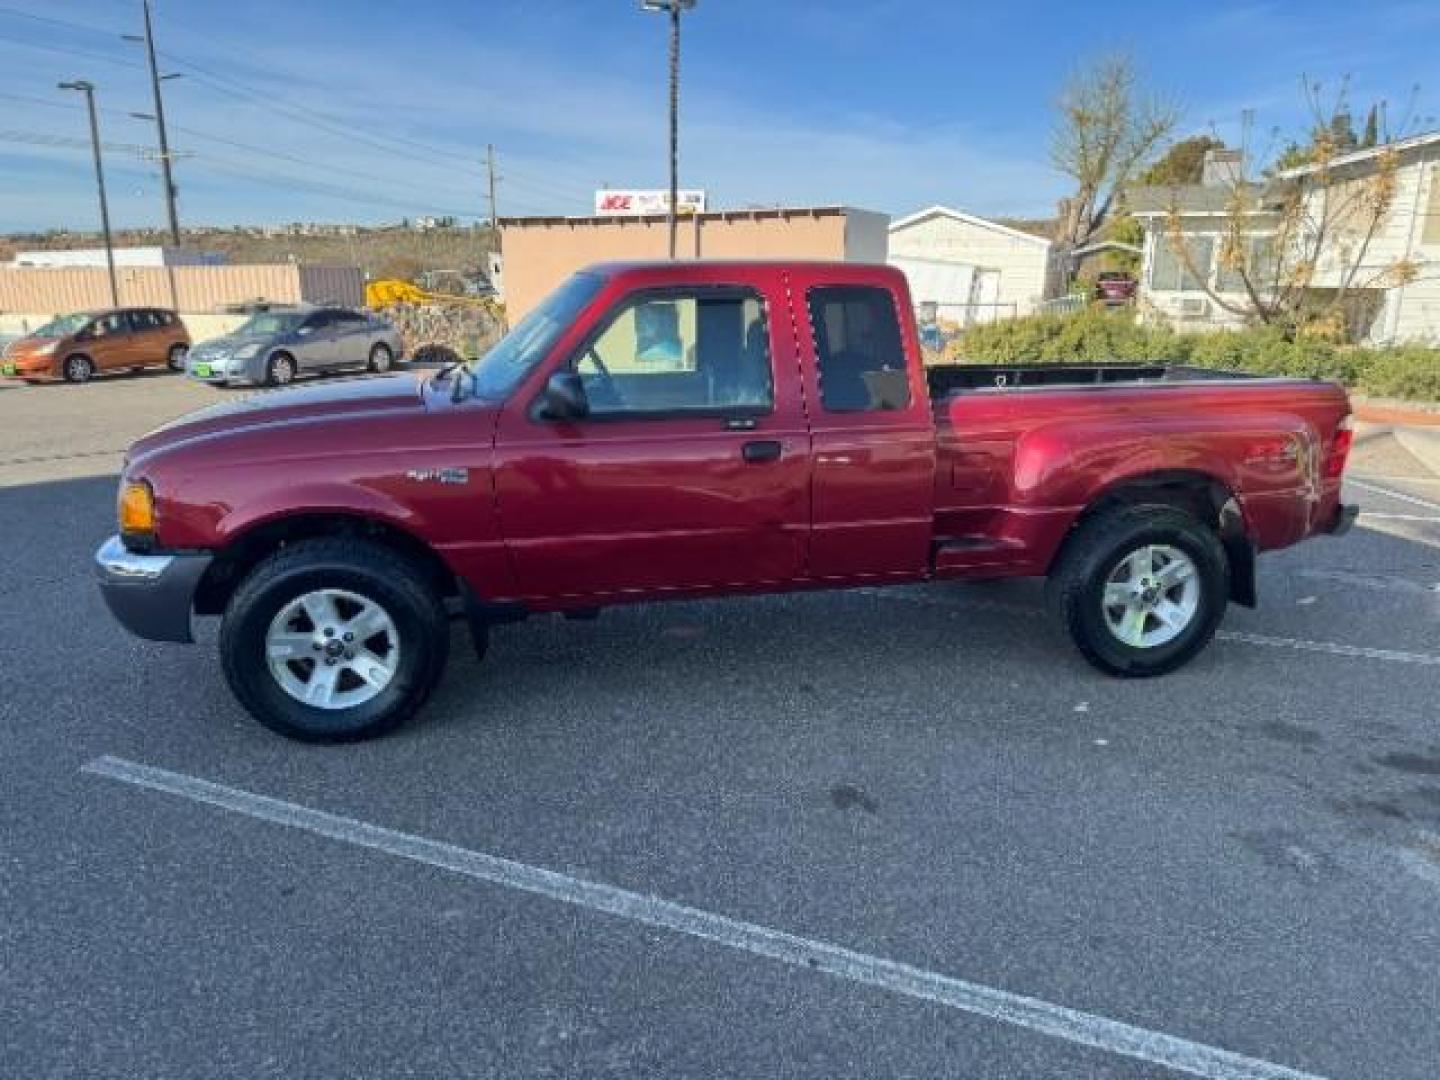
[
  {"x": 1141, "y": 589},
  {"x": 333, "y": 639}
]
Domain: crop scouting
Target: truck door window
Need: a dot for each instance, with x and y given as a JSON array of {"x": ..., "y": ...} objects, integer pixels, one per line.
[
  {"x": 858, "y": 348},
  {"x": 680, "y": 353}
]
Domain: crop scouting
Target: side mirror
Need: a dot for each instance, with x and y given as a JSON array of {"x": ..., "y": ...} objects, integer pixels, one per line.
[
  {"x": 305, "y": 331},
  {"x": 564, "y": 397}
]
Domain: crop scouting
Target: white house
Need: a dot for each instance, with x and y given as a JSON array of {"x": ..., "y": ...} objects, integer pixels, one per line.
[
  {"x": 1179, "y": 292},
  {"x": 974, "y": 270}
]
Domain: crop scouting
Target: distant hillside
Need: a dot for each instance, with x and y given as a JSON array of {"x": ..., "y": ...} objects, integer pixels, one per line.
[{"x": 380, "y": 252}]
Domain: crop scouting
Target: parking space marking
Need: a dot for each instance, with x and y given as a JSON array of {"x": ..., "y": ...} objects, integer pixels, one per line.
[
  {"x": 1333, "y": 648},
  {"x": 1390, "y": 493},
  {"x": 1002, "y": 1006},
  {"x": 1371, "y": 515}
]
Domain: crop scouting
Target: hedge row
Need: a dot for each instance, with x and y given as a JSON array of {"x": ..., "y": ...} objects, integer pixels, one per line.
[{"x": 1411, "y": 372}]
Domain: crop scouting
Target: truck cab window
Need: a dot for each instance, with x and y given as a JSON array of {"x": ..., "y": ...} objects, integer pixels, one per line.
[
  {"x": 858, "y": 349},
  {"x": 670, "y": 353}
]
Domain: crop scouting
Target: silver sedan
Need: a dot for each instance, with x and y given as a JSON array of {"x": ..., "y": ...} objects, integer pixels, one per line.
[{"x": 272, "y": 347}]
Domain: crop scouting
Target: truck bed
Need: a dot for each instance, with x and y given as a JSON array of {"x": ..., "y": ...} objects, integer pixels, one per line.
[
  {"x": 947, "y": 379},
  {"x": 1021, "y": 449}
]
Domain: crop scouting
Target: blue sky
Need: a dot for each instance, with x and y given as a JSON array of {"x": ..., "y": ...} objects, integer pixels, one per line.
[{"x": 366, "y": 111}]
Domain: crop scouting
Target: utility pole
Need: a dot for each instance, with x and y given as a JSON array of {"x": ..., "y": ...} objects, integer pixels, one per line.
[
  {"x": 88, "y": 89},
  {"x": 673, "y": 8},
  {"x": 490, "y": 171},
  {"x": 148, "y": 40}
]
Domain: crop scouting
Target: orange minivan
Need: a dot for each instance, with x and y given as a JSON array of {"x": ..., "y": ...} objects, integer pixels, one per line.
[{"x": 87, "y": 343}]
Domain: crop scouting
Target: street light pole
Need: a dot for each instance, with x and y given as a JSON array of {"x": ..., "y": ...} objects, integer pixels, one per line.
[
  {"x": 148, "y": 40},
  {"x": 88, "y": 89},
  {"x": 673, "y": 8}
]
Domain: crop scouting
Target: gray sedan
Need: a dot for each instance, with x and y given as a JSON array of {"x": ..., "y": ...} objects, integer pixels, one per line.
[{"x": 272, "y": 347}]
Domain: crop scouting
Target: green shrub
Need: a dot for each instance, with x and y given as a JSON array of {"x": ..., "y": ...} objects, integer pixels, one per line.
[
  {"x": 1096, "y": 335},
  {"x": 1411, "y": 371}
]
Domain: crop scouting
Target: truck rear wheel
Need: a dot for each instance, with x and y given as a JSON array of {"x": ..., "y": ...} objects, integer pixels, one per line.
[
  {"x": 1141, "y": 589},
  {"x": 333, "y": 640}
]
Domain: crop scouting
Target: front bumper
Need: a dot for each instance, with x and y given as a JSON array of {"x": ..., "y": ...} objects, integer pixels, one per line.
[
  {"x": 1344, "y": 519},
  {"x": 150, "y": 595}
]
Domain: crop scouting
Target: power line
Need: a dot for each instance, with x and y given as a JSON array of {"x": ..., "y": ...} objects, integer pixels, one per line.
[
  {"x": 304, "y": 115},
  {"x": 87, "y": 54},
  {"x": 34, "y": 138}
]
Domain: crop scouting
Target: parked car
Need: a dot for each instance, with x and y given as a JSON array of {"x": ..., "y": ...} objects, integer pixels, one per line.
[
  {"x": 273, "y": 346},
  {"x": 663, "y": 430},
  {"x": 1115, "y": 287},
  {"x": 79, "y": 346}
]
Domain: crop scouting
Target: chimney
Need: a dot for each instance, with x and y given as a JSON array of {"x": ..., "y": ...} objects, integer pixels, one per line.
[{"x": 1223, "y": 167}]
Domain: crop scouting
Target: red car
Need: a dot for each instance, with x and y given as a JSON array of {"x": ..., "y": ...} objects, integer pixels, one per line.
[
  {"x": 1115, "y": 287},
  {"x": 692, "y": 429}
]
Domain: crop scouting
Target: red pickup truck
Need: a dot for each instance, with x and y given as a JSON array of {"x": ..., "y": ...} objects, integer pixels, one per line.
[{"x": 691, "y": 429}]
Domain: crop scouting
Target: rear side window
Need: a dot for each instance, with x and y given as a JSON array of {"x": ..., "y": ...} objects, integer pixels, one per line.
[{"x": 858, "y": 348}]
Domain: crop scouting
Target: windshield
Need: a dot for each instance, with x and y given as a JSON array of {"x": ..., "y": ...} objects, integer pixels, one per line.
[
  {"x": 64, "y": 326},
  {"x": 267, "y": 323},
  {"x": 499, "y": 371}
]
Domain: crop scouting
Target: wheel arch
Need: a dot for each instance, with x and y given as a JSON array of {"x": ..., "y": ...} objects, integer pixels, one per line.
[
  {"x": 1203, "y": 495},
  {"x": 250, "y": 545}
]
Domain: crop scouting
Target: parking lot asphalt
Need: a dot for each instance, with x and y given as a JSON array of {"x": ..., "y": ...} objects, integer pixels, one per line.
[{"x": 1242, "y": 857}]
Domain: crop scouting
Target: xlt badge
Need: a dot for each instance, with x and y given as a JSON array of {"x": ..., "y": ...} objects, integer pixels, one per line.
[{"x": 440, "y": 476}]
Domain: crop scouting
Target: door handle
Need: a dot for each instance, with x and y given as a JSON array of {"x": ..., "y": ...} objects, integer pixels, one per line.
[{"x": 762, "y": 450}]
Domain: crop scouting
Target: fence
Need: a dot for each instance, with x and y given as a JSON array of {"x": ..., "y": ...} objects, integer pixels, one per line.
[{"x": 1063, "y": 305}]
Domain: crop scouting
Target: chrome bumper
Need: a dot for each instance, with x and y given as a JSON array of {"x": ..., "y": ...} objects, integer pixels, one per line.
[{"x": 150, "y": 595}]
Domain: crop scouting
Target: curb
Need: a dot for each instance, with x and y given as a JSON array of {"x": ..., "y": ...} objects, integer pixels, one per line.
[{"x": 1389, "y": 411}]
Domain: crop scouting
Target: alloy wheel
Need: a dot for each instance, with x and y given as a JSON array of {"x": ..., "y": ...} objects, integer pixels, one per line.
[
  {"x": 1151, "y": 596},
  {"x": 332, "y": 649}
]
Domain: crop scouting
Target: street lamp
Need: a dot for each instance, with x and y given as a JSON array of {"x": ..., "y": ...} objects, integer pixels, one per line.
[
  {"x": 88, "y": 89},
  {"x": 673, "y": 8}
]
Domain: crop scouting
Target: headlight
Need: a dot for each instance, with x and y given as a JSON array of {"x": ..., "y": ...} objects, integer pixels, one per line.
[
  {"x": 245, "y": 352},
  {"x": 136, "y": 510}
]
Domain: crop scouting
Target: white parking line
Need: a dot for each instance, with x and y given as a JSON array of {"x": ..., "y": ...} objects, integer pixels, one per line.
[
  {"x": 1371, "y": 515},
  {"x": 1057, "y": 1021},
  {"x": 1391, "y": 493},
  {"x": 1333, "y": 648}
]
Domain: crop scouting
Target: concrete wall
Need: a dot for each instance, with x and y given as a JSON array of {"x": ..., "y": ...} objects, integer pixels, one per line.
[
  {"x": 1023, "y": 262},
  {"x": 540, "y": 253},
  {"x": 31, "y": 296}
]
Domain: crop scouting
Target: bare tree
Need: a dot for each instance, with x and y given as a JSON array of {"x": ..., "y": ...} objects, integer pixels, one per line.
[
  {"x": 1295, "y": 244},
  {"x": 1108, "y": 126}
]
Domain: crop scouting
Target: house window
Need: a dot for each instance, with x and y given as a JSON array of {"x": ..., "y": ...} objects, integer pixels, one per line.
[
  {"x": 1431, "y": 232},
  {"x": 1259, "y": 267},
  {"x": 1169, "y": 271}
]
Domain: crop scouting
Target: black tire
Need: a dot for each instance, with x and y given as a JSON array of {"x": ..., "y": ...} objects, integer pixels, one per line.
[
  {"x": 381, "y": 359},
  {"x": 376, "y": 573},
  {"x": 280, "y": 370},
  {"x": 175, "y": 359},
  {"x": 78, "y": 368},
  {"x": 1076, "y": 588}
]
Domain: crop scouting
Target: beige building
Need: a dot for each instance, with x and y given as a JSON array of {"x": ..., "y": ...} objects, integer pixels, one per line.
[
  {"x": 31, "y": 296},
  {"x": 541, "y": 252}
]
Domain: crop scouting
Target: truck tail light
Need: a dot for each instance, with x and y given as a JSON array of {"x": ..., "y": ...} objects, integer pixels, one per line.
[{"x": 1339, "y": 449}]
